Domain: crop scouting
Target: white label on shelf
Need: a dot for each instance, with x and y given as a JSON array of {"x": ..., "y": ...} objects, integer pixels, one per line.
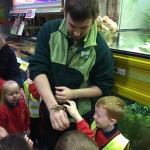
[
  {"x": 120, "y": 71},
  {"x": 21, "y": 28}
]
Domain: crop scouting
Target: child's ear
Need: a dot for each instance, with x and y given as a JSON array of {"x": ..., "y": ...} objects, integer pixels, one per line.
[
  {"x": 113, "y": 121},
  {"x": 97, "y": 16}
]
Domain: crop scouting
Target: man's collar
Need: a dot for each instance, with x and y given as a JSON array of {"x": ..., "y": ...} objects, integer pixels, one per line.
[{"x": 89, "y": 40}]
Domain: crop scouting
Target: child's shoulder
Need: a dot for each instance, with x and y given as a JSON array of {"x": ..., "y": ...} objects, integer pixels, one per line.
[
  {"x": 21, "y": 102},
  {"x": 3, "y": 107},
  {"x": 2, "y": 104}
]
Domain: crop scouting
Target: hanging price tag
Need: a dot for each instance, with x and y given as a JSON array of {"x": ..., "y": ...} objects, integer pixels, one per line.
[
  {"x": 30, "y": 13},
  {"x": 24, "y": 65}
]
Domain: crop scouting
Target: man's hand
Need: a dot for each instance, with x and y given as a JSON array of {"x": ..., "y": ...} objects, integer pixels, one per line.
[
  {"x": 59, "y": 119},
  {"x": 72, "y": 109},
  {"x": 63, "y": 93}
]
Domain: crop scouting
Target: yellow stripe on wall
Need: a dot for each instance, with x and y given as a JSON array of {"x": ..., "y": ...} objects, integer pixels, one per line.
[{"x": 134, "y": 83}]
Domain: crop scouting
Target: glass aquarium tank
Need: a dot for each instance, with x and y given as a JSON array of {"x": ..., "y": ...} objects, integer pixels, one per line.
[
  {"x": 133, "y": 25},
  {"x": 130, "y": 43}
]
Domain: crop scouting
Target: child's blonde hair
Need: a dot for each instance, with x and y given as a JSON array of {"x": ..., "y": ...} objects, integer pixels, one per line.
[
  {"x": 5, "y": 86},
  {"x": 114, "y": 106}
]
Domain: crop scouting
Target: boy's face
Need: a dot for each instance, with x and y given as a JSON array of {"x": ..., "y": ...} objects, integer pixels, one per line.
[
  {"x": 101, "y": 118},
  {"x": 12, "y": 94},
  {"x": 78, "y": 30}
]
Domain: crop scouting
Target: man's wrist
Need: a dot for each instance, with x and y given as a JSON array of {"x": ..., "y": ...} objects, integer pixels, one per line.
[
  {"x": 57, "y": 107},
  {"x": 74, "y": 94}
]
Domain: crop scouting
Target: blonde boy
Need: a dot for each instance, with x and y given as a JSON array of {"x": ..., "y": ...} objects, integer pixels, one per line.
[{"x": 14, "y": 114}]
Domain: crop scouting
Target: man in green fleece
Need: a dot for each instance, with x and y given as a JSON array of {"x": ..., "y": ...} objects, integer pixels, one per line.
[{"x": 71, "y": 61}]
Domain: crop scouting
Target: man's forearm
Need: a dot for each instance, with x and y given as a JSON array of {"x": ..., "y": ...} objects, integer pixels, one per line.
[
  {"x": 42, "y": 84},
  {"x": 92, "y": 91}
]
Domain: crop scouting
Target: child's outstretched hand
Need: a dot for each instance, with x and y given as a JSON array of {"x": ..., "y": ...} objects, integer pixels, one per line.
[
  {"x": 29, "y": 81},
  {"x": 3, "y": 132},
  {"x": 29, "y": 141},
  {"x": 72, "y": 109}
]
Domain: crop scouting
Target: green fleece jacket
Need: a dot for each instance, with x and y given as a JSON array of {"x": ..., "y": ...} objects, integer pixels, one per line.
[{"x": 74, "y": 66}]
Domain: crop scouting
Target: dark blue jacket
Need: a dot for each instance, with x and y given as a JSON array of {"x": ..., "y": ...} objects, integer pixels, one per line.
[{"x": 9, "y": 68}]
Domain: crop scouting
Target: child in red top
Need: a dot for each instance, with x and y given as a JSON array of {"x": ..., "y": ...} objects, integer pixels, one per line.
[
  {"x": 1, "y": 83},
  {"x": 14, "y": 114},
  {"x": 34, "y": 101},
  {"x": 108, "y": 110}
]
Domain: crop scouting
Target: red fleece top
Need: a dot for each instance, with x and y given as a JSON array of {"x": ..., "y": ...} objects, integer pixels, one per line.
[
  {"x": 101, "y": 137},
  {"x": 33, "y": 91},
  {"x": 15, "y": 119},
  {"x": 1, "y": 83}
]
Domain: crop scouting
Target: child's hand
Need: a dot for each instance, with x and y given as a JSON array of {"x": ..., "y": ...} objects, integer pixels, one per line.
[
  {"x": 3, "y": 132},
  {"x": 28, "y": 132},
  {"x": 72, "y": 109},
  {"x": 29, "y": 81},
  {"x": 29, "y": 141},
  {"x": 23, "y": 96}
]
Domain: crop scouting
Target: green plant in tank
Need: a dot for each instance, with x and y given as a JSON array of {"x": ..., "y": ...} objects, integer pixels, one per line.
[
  {"x": 136, "y": 120},
  {"x": 147, "y": 15}
]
